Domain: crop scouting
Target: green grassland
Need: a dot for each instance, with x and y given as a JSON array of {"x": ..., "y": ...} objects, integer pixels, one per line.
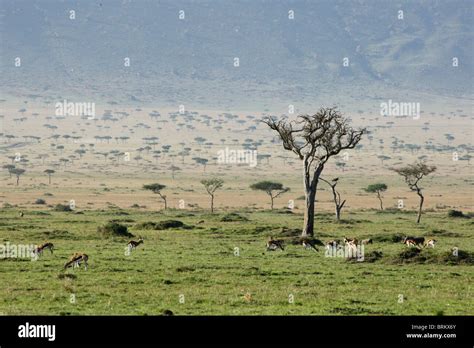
[{"x": 198, "y": 270}]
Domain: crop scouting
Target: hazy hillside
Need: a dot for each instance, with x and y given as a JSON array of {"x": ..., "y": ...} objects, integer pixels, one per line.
[{"x": 192, "y": 60}]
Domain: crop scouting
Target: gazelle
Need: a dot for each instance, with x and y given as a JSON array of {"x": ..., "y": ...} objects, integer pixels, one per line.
[
  {"x": 332, "y": 244},
  {"x": 274, "y": 244},
  {"x": 132, "y": 244},
  {"x": 351, "y": 245},
  {"x": 430, "y": 243},
  {"x": 414, "y": 241},
  {"x": 308, "y": 244},
  {"x": 366, "y": 241},
  {"x": 76, "y": 259},
  {"x": 39, "y": 249},
  {"x": 351, "y": 241}
]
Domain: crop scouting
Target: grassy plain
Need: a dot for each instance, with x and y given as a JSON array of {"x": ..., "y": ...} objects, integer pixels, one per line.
[{"x": 196, "y": 271}]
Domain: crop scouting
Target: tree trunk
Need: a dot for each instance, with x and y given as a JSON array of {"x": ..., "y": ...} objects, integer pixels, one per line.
[
  {"x": 163, "y": 198},
  {"x": 339, "y": 208},
  {"x": 49, "y": 179},
  {"x": 380, "y": 199},
  {"x": 271, "y": 197},
  {"x": 310, "y": 198},
  {"x": 422, "y": 199},
  {"x": 17, "y": 180},
  {"x": 308, "y": 229},
  {"x": 212, "y": 203}
]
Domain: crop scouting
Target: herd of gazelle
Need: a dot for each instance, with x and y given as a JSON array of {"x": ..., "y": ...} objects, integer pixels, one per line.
[
  {"x": 351, "y": 243},
  {"x": 77, "y": 259},
  {"x": 272, "y": 244}
]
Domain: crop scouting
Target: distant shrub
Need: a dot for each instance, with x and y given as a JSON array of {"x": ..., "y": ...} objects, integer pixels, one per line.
[
  {"x": 388, "y": 238},
  {"x": 164, "y": 225},
  {"x": 414, "y": 255},
  {"x": 62, "y": 207},
  {"x": 411, "y": 254},
  {"x": 48, "y": 194},
  {"x": 283, "y": 211},
  {"x": 114, "y": 229},
  {"x": 40, "y": 201},
  {"x": 373, "y": 256},
  {"x": 369, "y": 257},
  {"x": 161, "y": 225},
  {"x": 230, "y": 217},
  {"x": 456, "y": 213},
  {"x": 458, "y": 257},
  {"x": 148, "y": 225},
  {"x": 7, "y": 205}
]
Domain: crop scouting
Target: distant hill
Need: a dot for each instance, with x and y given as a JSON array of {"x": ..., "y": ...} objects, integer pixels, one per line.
[{"x": 192, "y": 60}]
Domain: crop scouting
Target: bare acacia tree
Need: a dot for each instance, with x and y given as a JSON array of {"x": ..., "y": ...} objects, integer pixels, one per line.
[
  {"x": 336, "y": 197},
  {"x": 315, "y": 139},
  {"x": 412, "y": 174}
]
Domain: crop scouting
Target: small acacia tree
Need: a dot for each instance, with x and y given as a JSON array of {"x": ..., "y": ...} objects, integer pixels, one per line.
[
  {"x": 273, "y": 189},
  {"x": 49, "y": 172},
  {"x": 413, "y": 173},
  {"x": 377, "y": 188},
  {"x": 212, "y": 185},
  {"x": 157, "y": 188},
  {"x": 315, "y": 139},
  {"x": 338, "y": 202},
  {"x": 17, "y": 172}
]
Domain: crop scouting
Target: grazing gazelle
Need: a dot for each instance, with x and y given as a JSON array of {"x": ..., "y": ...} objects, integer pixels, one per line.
[
  {"x": 39, "y": 250},
  {"x": 366, "y": 241},
  {"x": 132, "y": 244},
  {"x": 430, "y": 243},
  {"x": 76, "y": 259},
  {"x": 351, "y": 245},
  {"x": 274, "y": 244},
  {"x": 332, "y": 244},
  {"x": 351, "y": 241},
  {"x": 309, "y": 244},
  {"x": 414, "y": 241}
]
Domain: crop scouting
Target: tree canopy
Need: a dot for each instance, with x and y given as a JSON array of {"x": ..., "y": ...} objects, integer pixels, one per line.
[{"x": 374, "y": 188}]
